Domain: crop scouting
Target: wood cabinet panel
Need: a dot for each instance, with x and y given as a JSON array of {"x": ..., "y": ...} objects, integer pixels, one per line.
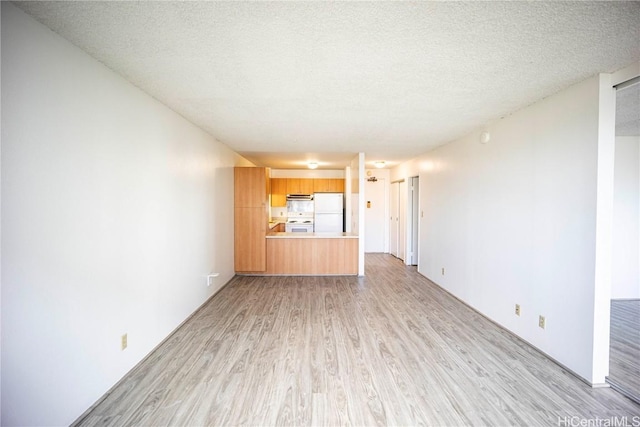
[
  {"x": 312, "y": 256},
  {"x": 299, "y": 186},
  {"x": 250, "y": 248},
  {"x": 279, "y": 192},
  {"x": 251, "y": 187},
  {"x": 337, "y": 255},
  {"x": 278, "y": 228},
  {"x": 251, "y": 197},
  {"x": 320, "y": 185},
  {"x": 328, "y": 185}
]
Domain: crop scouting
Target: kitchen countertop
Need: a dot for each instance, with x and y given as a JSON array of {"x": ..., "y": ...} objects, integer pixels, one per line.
[{"x": 277, "y": 235}]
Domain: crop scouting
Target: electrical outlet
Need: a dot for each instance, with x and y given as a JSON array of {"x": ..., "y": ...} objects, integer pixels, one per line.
[
  {"x": 517, "y": 309},
  {"x": 210, "y": 278},
  {"x": 443, "y": 271},
  {"x": 123, "y": 342},
  {"x": 542, "y": 322}
]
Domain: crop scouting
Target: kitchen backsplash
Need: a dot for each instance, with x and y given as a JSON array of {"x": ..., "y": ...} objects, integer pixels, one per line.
[{"x": 278, "y": 213}]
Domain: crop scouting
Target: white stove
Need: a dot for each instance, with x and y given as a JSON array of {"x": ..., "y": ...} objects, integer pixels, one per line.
[{"x": 299, "y": 222}]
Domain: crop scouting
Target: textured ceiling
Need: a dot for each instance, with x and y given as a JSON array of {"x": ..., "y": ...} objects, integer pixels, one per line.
[{"x": 330, "y": 79}]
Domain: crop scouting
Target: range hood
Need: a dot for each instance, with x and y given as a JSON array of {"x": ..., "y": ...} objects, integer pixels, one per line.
[{"x": 299, "y": 196}]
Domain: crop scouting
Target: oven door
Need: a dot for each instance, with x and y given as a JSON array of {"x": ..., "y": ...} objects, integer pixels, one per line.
[{"x": 298, "y": 228}]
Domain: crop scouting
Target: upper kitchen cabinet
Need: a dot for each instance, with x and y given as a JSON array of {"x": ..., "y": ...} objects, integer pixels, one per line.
[
  {"x": 328, "y": 185},
  {"x": 252, "y": 187},
  {"x": 299, "y": 186},
  {"x": 278, "y": 192}
]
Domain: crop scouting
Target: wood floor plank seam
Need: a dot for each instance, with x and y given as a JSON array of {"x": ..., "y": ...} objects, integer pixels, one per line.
[{"x": 624, "y": 356}]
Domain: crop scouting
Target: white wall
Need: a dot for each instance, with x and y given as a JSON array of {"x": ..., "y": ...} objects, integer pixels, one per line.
[
  {"x": 114, "y": 209},
  {"x": 514, "y": 221},
  {"x": 377, "y": 216},
  {"x": 626, "y": 223}
]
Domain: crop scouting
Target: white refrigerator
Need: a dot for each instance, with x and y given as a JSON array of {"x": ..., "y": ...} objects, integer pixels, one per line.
[{"x": 328, "y": 212}]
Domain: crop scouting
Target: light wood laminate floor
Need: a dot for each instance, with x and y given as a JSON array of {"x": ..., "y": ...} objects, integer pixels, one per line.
[
  {"x": 388, "y": 349},
  {"x": 624, "y": 356}
]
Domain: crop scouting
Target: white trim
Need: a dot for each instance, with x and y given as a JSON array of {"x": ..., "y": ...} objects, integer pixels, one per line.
[
  {"x": 625, "y": 74},
  {"x": 604, "y": 230}
]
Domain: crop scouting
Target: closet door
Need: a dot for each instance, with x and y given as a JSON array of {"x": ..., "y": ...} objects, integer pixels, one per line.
[
  {"x": 413, "y": 208},
  {"x": 402, "y": 219},
  {"x": 394, "y": 214}
]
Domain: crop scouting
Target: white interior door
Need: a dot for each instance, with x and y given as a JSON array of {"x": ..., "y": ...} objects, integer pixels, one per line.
[
  {"x": 374, "y": 216},
  {"x": 393, "y": 218},
  {"x": 414, "y": 219},
  {"x": 402, "y": 220}
]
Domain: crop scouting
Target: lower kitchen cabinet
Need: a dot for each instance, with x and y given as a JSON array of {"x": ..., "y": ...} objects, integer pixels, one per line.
[
  {"x": 315, "y": 256},
  {"x": 250, "y": 240}
]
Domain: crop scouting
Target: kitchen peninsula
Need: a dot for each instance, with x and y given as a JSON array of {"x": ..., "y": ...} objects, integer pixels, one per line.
[
  {"x": 260, "y": 251},
  {"x": 312, "y": 253}
]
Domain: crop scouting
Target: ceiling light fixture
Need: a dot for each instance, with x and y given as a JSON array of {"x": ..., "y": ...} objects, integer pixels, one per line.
[
  {"x": 485, "y": 137},
  {"x": 379, "y": 164},
  {"x": 312, "y": 165}
]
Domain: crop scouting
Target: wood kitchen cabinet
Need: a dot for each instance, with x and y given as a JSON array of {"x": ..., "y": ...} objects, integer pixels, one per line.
[
  {"x": 280, "y": 187},
  {"x": 328, "y": 185},
  {"x": 250, "y": 240},
  {"x": 299, "y": 186},
  {"x": 251, "y": 195},
  {"x": 317, "y": 256},
  {"x": 252, "y": 187},
  {"x": 279, "y": 192}
]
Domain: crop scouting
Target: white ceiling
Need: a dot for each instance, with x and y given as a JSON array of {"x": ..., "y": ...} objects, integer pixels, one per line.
[{"x": 325, "y": 80}]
